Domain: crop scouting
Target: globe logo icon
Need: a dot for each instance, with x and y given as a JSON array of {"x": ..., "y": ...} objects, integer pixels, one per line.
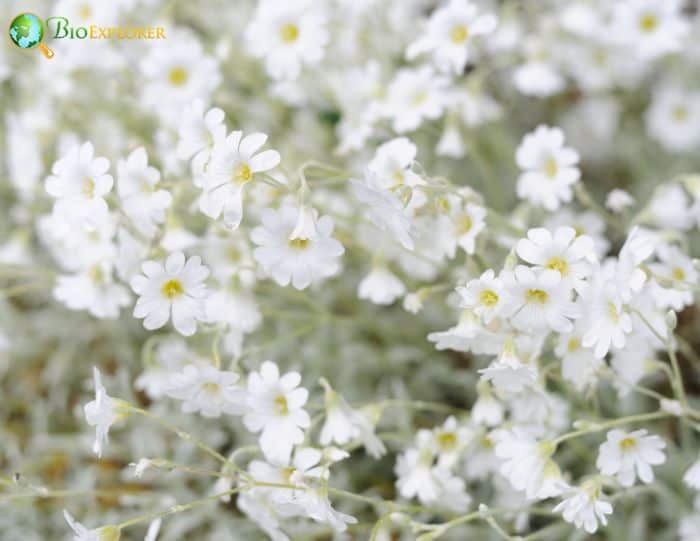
[{"x": 27, "y": 31}]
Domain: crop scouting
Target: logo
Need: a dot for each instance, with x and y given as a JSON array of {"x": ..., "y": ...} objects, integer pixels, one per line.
[{"x": 27, "y": 31}]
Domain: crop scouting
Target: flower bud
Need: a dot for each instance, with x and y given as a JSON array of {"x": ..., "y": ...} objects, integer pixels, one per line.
[{"x": 671, "y": 320}]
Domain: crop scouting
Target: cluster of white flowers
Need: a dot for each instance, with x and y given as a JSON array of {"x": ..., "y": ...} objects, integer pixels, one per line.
[{"x": 463, "y": 229}]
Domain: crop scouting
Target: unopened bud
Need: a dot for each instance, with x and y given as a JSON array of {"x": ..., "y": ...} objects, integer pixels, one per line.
[{"x": 671, "y": 320}]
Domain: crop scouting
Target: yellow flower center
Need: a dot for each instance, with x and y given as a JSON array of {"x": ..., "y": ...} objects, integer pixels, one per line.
[
  {"x": 551, "y": 168},
  {"x": 559, "y": 265},
  {"x": 419, "y": 98},
  {"x": 648, "y": 22},
  {"x": 178, "y": 76},
  {"x": 210, "y": 387},
  {"x": 172, "y": 288},
  {"x": 299, "y": 244},
  {"x": 678, "y": 274},
  {"x": 289, "y": 33},
  {"x": 281, "y": 406},
  {"x": 628, "y": 443},
  {"x": 573, "y": 345},
  {"x": 242, "y": 174},
  {"x": 447, "y": 441},
  {"x": 536, "y": 295},
  {"x": 234, "y": 254},
  {"x": 88, "y": 187},
  {"x": 96, "y": 274},
  {"x": 464, "y": 224},
  {"x": 459, "y": 34},
  {"x": 613, "y": 313},
  {"x": 488, "y": 298},
  {"x": 443, "y": 204},
  {"x": 679, "y": 113},
  {"x": 399, "y": 176}
]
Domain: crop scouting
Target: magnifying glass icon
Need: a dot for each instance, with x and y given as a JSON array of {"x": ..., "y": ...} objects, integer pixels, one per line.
[{"x": 27, "y": 31}]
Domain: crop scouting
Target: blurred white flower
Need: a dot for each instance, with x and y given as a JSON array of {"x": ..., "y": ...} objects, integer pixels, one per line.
[
  {"x": 450, "y": 33},
  {"x": 549, "y": 169},
  {"x": 207, "y": 390},
  {"x": 287, "y": 36},
  {"x": 381, "y": 286},
  {"x": 137, "y": 187},
  {"x": 527, "y": 464},
  {"x": 80, "y": 183}
]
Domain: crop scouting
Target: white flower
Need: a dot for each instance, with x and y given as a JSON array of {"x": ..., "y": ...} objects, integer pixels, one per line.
[
  {"x": 141, "y": 201},
  {"x": 413, "y": 302},
  {"x": 380, "y": 286},
  {"x": 175, "y": 290},
  {"x": 417, "y": 476},
  {"x": 565, "y": 252},
  {"x": 287, "y": 36},
  {"x": 384, "y": 208},
  {"x": 236, "y": 308},
  {"x": 413, "y": 96},
  {"x": 689, "y": 527},
  {"x": 549, "y": 169},
  {"x": 630, "y": 455},
  {"x": 81, "y": 533},
  {"x": 468, "y": 335},
  {"x": 605, "y": 323},
  {"x": 539, "y": 79},
  {"x": 527, "y": 464},
  {"x": 199, "y": 132},
  {"x": 94, "y": 290},
  {"x": 392, "y": 163},
  {"x": 451, "y": 143},
  {"x": 486, "y": 296},
  {"x": 450, "y": 31},
  {"x": 674, "y": 276},
  {"x": 692, "y": 476},
  {"x": 103, "y": 412},
  {"x": 650, "y": 28},
  {"x": 344, "y": 424},
  {"x": 618, "y": 200},
  {"x": 80, "y": 182},
  {"x": 584, "y": 507},
  {"x": 508, "y": 372},
  {"x": 295, "y": 246},
  {"x": 276, "y": 409},
  {"x": 629, "y": 278},
  {"x": 466, "y": 223},
  {"x": 578, "y": 364},
  {"x": 171, "y": 355},
  {"x": 450, "y": 440},
  {"x": 673, "y": 119},
  {"x": 175, "y": 73},
  {"x": 539, "y": 300},
  {"x": 207, "y": 390},
  {"x": 308, "y": 472},
  {"x": 234, "y": 163},
  {"x": 670, "y": 208},
  {"x": 487, "y": 410}
]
